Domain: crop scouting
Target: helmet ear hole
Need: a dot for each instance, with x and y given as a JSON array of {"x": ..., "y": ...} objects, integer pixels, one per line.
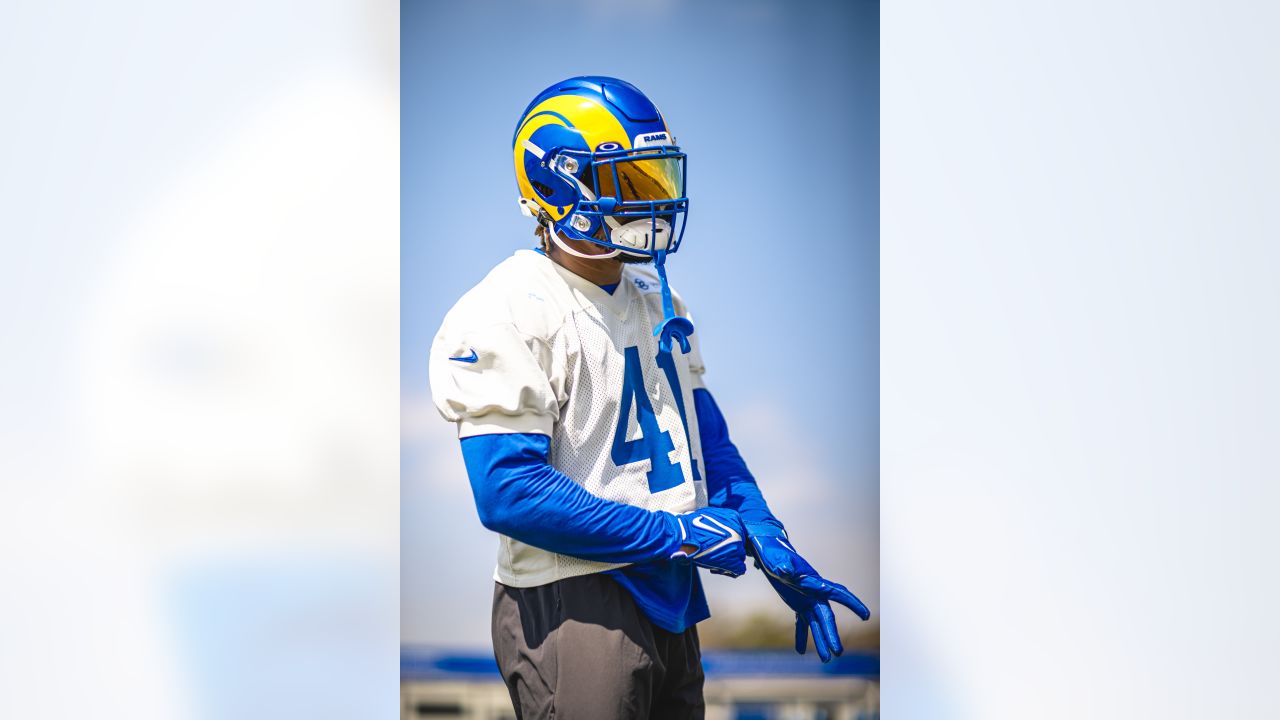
[{"x": 543, "y": 190}]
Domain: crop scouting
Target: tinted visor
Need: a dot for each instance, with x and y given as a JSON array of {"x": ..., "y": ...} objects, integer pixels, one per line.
[{"x": 642, "y": 179}]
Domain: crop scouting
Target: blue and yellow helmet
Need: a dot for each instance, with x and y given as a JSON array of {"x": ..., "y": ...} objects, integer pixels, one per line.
[{"x": 595, "y": 161}]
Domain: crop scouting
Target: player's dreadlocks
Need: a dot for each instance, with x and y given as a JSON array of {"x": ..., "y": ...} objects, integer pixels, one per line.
[
  {"x": 543, "y": 231},
  {"x": 540, "y": 232}
]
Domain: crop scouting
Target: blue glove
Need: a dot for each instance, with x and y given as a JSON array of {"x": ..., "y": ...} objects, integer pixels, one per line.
[
  {"x": 805, "y": 592},
  {"x": 713, "y": 538}
]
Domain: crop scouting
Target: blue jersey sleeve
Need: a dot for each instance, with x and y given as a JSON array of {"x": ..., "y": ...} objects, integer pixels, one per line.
[
  {"x": 519, "y": 494},
  {"x": 729, "y": 482}
]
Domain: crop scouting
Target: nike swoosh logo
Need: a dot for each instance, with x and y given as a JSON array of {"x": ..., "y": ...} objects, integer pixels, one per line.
[
  {"x": 712, "y": 525},
  {"x": 473, "y": 357}
]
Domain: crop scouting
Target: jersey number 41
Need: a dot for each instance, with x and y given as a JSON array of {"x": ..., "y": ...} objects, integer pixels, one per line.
[{"x": 654, "y": 443}]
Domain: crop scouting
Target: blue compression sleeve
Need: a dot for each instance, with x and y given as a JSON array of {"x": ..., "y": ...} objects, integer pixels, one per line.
[
  {"x": 520, "y": 495},
  {"x": 729, "y": 482}
]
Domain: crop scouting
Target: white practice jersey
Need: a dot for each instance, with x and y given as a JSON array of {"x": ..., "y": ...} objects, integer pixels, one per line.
[{"x": 534, "y": 348}]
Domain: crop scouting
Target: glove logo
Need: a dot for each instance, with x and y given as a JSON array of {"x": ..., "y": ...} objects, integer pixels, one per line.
[
  {"x": 712, "y": 538},
  {"x": 714, "y": 526}
]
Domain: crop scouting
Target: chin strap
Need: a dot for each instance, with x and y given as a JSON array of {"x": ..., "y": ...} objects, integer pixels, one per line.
[
  {"x": 586, "y": 256},
  {"x": 672, "y": 325}
]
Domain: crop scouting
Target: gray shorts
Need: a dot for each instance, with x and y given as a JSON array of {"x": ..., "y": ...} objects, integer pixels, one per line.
[{"x": 581, "y": 648}]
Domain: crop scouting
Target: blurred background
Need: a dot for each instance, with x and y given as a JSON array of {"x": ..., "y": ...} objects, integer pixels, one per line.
[
  {"x": 199, "y": 387},
  {"x": 776, "y": 104}
]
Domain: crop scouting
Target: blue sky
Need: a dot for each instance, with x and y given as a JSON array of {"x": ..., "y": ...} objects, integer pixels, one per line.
[{"x": 776, "y": 104}]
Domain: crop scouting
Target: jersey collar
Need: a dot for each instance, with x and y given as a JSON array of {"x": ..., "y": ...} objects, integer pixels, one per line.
[{"x": 619, "y": 302}]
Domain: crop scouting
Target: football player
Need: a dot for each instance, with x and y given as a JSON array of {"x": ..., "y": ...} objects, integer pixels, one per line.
[{"x": 592, "y": 445}]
